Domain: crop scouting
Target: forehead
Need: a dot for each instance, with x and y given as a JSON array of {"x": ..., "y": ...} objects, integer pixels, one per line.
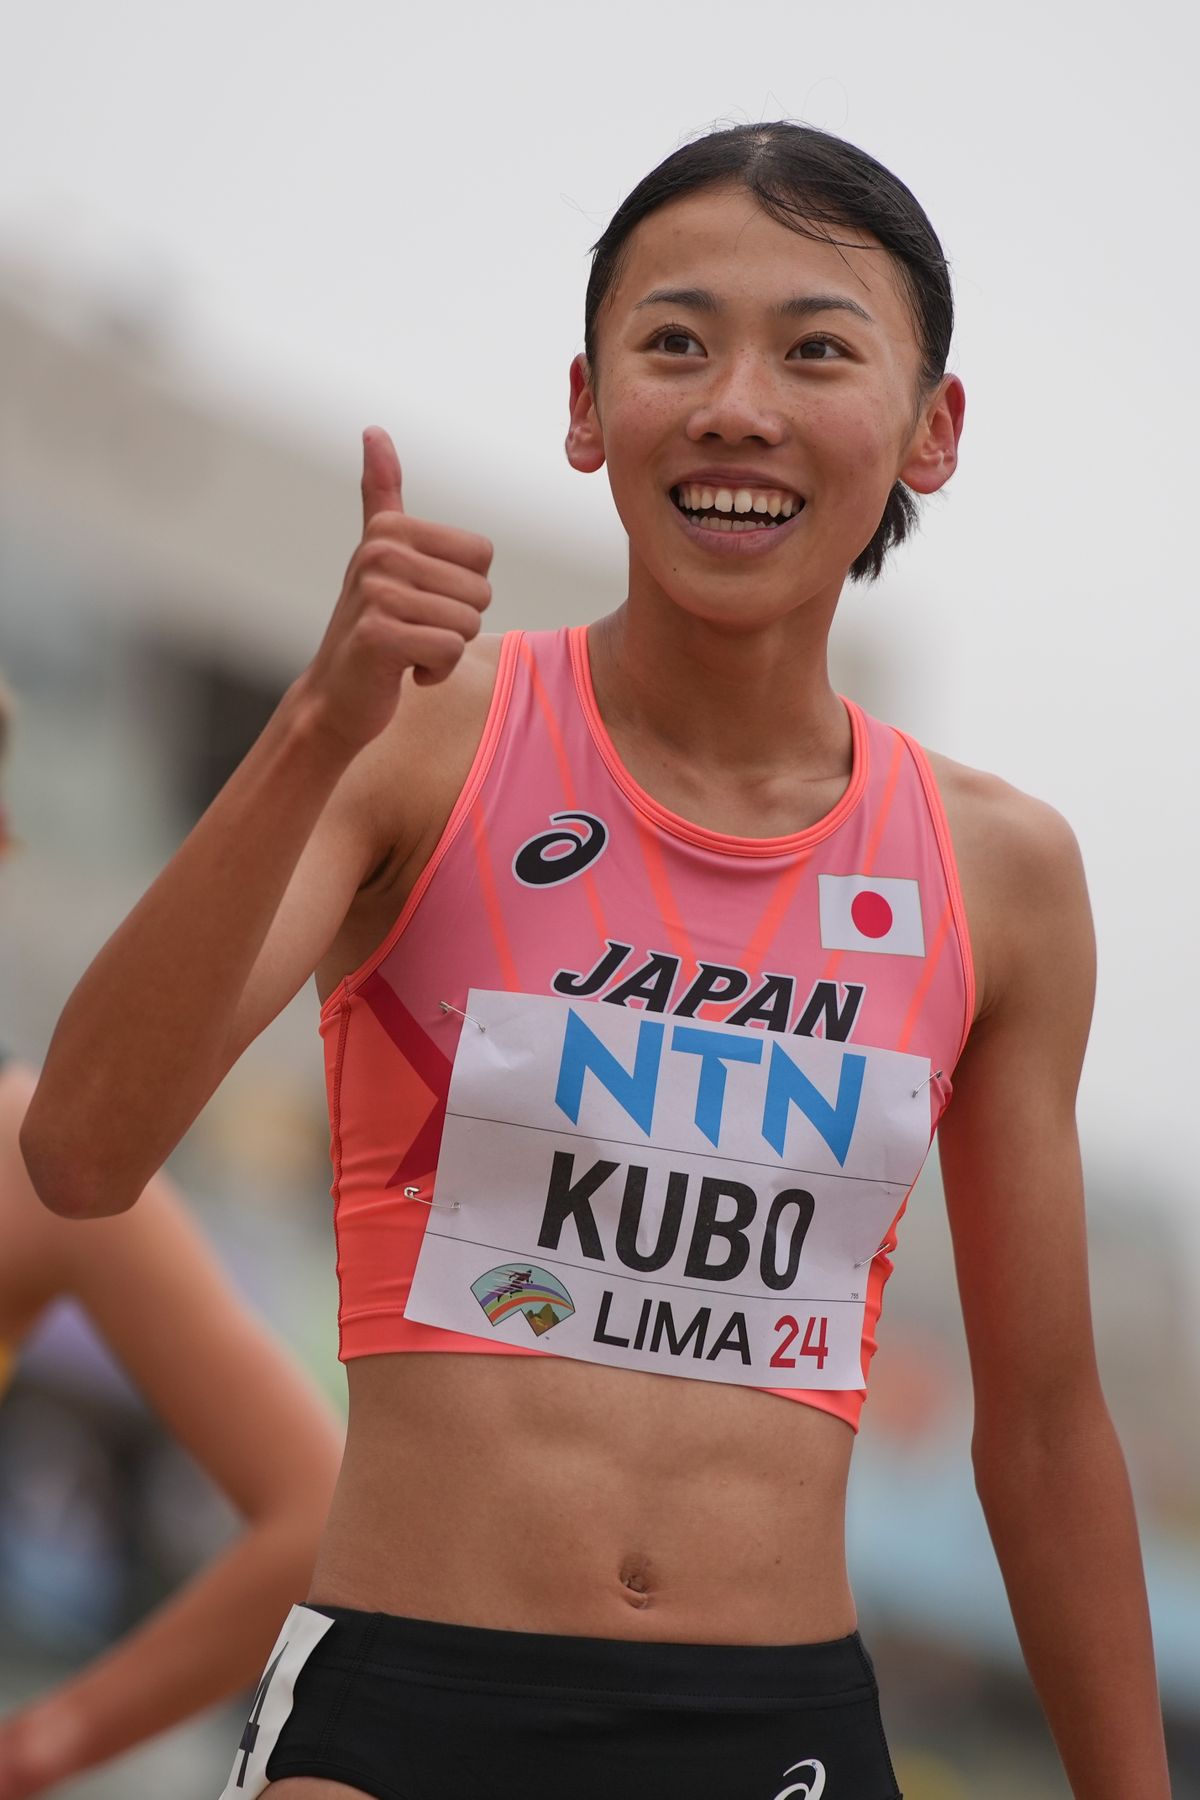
[{"x": 722, "y": 240}]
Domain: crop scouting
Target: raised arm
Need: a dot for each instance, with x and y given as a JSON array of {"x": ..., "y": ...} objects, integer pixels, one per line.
[
  {"x": 247, "y": 907},
  {"x": 228, "y": 1393},
  {"x": 1048, "y": 1467}
]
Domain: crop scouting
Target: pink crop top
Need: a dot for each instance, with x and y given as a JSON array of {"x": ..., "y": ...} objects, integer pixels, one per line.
[{"x": 621, "y": 1088}]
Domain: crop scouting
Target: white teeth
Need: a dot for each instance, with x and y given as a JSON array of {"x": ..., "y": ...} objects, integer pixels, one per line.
[
  {"x": 734, "y": 525},
  {"x": 762, "y": 502}
]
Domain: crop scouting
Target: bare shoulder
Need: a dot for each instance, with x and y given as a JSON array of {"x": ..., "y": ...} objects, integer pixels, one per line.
[
  {"x": 989, "y": 818},
  {"x": 428, "y": 747},
  {"x": 1021, "y": 874}
]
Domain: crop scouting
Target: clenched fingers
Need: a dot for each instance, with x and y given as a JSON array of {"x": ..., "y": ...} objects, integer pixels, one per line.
[
  {"x": 399, "y": 561},
  {"x": 382, "y": 599},
  {"x": 445, "y": 543}
]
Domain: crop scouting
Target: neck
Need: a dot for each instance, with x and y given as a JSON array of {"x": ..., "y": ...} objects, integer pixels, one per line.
[{"x": 750, "y": 702}]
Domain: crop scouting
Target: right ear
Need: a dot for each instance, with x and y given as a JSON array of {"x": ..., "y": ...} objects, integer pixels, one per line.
[{"x": 585, "y": 439}]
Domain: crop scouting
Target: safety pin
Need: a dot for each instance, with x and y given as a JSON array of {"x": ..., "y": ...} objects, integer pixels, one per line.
[
  {"x": 446, "y": 1007},
  {"x": 936, "y": 1076},
  {"x": 414, "y": 1193},
  {"x": 874, "y": 1253}
]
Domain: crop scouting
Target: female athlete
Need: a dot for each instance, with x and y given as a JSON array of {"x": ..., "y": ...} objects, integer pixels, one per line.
[
  {"x": 648, "y": 965},
  {"x": 226, "y": 1391}
]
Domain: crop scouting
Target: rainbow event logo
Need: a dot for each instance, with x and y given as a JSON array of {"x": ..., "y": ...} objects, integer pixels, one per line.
[{"x": 535, "y": 1292}]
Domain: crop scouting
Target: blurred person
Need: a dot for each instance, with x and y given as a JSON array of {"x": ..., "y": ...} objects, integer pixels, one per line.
[
  {"x": 225, "y": 1390},
  {"x": 645, "y": 963}
]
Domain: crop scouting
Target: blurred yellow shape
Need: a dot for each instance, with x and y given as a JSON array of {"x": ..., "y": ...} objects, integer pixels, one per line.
[{"x": 925, "y": 1777}]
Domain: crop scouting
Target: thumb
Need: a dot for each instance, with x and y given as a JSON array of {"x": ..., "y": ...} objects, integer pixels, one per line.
[{"x": 381, "y": 475}]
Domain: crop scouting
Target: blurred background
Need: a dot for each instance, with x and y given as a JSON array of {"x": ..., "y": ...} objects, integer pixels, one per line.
[{"x": 233, "y": 233}]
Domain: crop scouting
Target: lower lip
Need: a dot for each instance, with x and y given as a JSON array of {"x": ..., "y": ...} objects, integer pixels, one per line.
[{"x": 737, "y": 543}]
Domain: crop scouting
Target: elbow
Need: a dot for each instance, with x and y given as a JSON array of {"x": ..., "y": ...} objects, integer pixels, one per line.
[
  {"x": 66, "y": 1184},
  {"x": 1036, "y": 1444},
  {"x": 292, "y": 1512},
  {"x": 991, "y": 1466},
  {"x": 1010, "y": 1483},
  {"x": 287, "y": 1541}
]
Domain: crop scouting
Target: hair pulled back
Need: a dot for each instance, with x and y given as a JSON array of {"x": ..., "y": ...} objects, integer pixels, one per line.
[{"x": 814, "y": 184}]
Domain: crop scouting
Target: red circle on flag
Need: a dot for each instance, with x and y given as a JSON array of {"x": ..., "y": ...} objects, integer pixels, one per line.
[{"x": 871, "y": 914}]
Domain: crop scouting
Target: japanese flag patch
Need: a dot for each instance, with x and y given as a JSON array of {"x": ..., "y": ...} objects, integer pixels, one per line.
[{"x": 871, "y": 912}]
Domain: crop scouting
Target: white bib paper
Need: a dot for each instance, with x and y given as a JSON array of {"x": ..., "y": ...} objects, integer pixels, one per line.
[{"x": 667, "y": 1194}]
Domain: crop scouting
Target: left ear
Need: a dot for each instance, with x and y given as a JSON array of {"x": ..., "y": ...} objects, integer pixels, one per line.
[
  {"x": 585, "y": 440},
  {"x": 933, "y": 451}
]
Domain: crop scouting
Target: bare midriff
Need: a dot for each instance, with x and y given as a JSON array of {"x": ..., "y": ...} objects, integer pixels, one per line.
[{"x": 543, "y": 1494}]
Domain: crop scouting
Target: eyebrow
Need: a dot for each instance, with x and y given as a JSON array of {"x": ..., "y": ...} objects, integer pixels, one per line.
[{"x": 800, "y": 306}]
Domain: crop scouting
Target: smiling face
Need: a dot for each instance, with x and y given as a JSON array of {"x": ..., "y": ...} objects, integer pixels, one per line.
[{"x": 756, "y": 396}]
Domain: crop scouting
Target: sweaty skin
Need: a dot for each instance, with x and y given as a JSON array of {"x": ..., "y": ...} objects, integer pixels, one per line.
[{"x": 641, "y": 1506}]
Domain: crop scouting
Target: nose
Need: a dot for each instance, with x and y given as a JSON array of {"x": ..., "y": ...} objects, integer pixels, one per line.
[{"x": 739, "y": 402}]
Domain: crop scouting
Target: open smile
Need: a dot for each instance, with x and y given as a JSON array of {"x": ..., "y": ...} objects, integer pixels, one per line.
[
  {"x": 715, "y": 513},
  {"x": 739, "y": 509}
]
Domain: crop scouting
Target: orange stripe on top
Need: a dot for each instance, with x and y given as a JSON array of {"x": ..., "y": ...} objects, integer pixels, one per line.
[
  {"x": 941, "y": 827},
  {"x": 764, "y": 934},
  {"x": 773, "y": 914},
  {"x": 559, "y": 749},
  {"x": 873, "y": 842},
  {"x": 924, "y": 984},
  {"x": 491, "y": 901},
  {"x": 664, "y": 899}
]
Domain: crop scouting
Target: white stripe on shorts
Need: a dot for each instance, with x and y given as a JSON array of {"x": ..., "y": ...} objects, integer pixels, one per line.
[{"x": 302, "y": 1631}]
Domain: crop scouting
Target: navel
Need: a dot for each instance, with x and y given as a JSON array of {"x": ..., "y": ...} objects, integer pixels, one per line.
[{"x": 636, "y": 1580}]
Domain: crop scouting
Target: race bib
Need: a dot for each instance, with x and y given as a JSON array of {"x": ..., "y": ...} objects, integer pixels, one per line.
[{"x": 659, "y": 1193}]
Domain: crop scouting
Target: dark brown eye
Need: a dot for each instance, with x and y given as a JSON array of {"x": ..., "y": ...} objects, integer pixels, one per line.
[
  {"x": 674, "y": 341},
  {"x": 819, "y": 350}
]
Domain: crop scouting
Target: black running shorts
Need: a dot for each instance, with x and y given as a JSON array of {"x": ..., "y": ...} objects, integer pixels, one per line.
[{"x": 406, "y": 1709}]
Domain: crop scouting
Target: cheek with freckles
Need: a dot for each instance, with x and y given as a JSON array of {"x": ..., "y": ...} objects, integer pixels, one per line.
[
  {"x": 637, "y": 440},
  {"x": 853, "y": 453},
  {"x": 839, "y": 432}
]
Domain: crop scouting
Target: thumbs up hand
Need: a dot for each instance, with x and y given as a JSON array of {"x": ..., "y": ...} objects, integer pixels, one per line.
[{"x": 413, "y": 598}]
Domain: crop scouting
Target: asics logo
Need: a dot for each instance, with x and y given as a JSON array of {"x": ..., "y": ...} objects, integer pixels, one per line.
[
  {"x": 811, "y": 1787},
  {"x": 555, "y": 856}
]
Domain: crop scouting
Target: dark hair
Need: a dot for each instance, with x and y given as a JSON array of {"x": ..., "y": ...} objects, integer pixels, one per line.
[{"x": 811, "y": 182}]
